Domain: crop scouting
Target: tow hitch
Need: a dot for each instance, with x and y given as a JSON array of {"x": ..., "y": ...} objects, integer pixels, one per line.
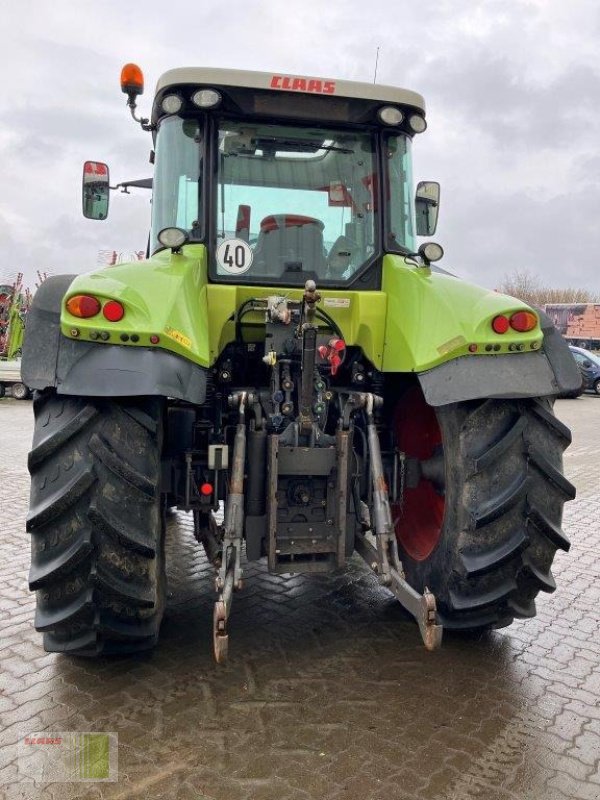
[{"x": 311, "y": 500}]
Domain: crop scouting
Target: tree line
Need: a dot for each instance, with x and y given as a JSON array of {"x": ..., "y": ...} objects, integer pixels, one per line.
[{"x": 527, "y": 286}]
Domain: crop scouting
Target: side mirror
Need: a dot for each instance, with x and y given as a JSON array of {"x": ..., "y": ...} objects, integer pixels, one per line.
[
  {"x": 95, "y": 190},
  {"x": 587, "y": 364},
  {"x": 427, "y": 205}
]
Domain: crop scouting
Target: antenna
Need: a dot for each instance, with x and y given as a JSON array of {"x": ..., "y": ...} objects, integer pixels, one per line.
[{"x": 376, "y": 62}]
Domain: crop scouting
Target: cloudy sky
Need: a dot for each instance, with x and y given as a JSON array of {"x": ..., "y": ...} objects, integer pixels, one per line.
[{"x": 512, "y": 90}]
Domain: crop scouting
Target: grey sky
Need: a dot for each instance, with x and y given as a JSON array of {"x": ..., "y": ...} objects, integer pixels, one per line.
[{"x": 512, "y": 90}]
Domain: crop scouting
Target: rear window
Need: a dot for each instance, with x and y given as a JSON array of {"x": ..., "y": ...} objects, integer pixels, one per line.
[{"x": 294, "y": 203}]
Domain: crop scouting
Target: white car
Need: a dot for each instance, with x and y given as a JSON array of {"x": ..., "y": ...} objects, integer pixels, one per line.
[{"x": 10, "y": 377}]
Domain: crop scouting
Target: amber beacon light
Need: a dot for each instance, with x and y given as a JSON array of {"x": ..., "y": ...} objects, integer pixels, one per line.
[{"x": 132, "y": 80}]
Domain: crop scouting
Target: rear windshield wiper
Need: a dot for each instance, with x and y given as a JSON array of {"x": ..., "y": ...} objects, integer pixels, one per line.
[{"x": 314, "y": 146}]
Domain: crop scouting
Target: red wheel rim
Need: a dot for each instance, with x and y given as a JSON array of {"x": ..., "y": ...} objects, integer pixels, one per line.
[{"x": 418, "y": 520}]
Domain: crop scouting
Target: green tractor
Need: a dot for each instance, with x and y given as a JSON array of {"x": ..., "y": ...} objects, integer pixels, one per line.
[{"x": 289, "y": 366}]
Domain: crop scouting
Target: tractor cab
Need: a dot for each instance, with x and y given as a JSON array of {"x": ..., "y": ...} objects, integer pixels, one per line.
[{"x": 284, "y": 178}]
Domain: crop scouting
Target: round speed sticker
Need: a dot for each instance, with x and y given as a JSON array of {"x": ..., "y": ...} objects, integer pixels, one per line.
[{"x": 234, "y": 256}]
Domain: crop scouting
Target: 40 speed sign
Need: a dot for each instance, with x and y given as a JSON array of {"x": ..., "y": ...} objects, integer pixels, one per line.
[{"x": 234, "y": 256}]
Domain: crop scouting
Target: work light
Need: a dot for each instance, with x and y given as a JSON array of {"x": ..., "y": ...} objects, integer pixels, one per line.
[
  {"x": 206, "y": 98},
  {"x": 171, "y": 104},
  {"x": 390, "y": 115}
]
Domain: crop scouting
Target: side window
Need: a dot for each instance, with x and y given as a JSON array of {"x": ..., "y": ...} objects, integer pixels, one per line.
[
  {"x": 187, "y": 202},
  {"x": 399, "y": 193},
  {"x": 176, "y": 188}
]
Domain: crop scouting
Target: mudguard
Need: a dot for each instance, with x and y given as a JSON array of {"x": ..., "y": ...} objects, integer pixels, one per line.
[
  {"x": 87, "y": 369},
  {"x": 550, "y": 371}
]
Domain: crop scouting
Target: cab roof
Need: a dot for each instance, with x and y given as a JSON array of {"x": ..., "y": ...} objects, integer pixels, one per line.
[{"x": 282, "y": 82}]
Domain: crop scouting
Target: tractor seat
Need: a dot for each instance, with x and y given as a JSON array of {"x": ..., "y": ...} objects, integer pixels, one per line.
[{"x": 289, "y": 242}]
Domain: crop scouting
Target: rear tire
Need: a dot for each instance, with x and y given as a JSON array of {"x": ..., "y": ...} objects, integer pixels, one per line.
[
  {"x": 96, "y": 523},
  {"x": 500, "y": 523},
  {"x": 597, "y": 387}
]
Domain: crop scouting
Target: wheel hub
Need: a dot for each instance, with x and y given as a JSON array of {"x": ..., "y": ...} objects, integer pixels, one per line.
[{"x": 418, "y": 516}]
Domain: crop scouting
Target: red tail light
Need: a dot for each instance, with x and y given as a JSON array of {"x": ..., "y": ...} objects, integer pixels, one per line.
[
  {"x": 113, "y": 311},
  {"x": 523, "y": 321},
  {"x": 83, "y": 305},
  {"x": 500, "y": 324}
]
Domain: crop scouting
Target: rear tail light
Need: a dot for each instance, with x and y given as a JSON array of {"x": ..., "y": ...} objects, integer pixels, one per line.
[
  {"x": 113, "y": 311},
  {"x": 520, "y": 321},
  {"x": 523, "y": 321},
  {"x": 82, "y": 305},
  {"x": 500, "y": 324}
]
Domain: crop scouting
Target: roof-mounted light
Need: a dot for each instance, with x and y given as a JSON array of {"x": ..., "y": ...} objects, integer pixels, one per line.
[
  {"x": 417, "y": 123},
  {"x": 132, "y": 83},
  {"x": 390, "y": 115},
  {"x": 171, "y": 104},
  {"x": 132, "y": 80},
  {"x": 206, "y": 98},
  {"x": 174, "y": 238}
]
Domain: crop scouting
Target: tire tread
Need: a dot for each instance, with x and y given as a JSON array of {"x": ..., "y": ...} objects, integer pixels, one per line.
[
  {"x": 96, "y": 524},
  {"x": 505, "y": 492}
]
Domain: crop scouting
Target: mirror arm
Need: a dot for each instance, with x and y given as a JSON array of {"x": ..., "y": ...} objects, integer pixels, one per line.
[{"x": 145, "y": 183}]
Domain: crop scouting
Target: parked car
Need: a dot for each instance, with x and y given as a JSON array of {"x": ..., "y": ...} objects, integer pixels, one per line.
[
  {"x": 10, "y": 378},
  {"x": 589, "y": 366}
]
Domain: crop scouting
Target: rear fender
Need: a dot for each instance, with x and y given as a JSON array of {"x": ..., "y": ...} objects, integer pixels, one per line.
[
  {"x": 42, "y": 334},
  {"x": 51, "y": 360},
  {"x": 549, "y": 371}
]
